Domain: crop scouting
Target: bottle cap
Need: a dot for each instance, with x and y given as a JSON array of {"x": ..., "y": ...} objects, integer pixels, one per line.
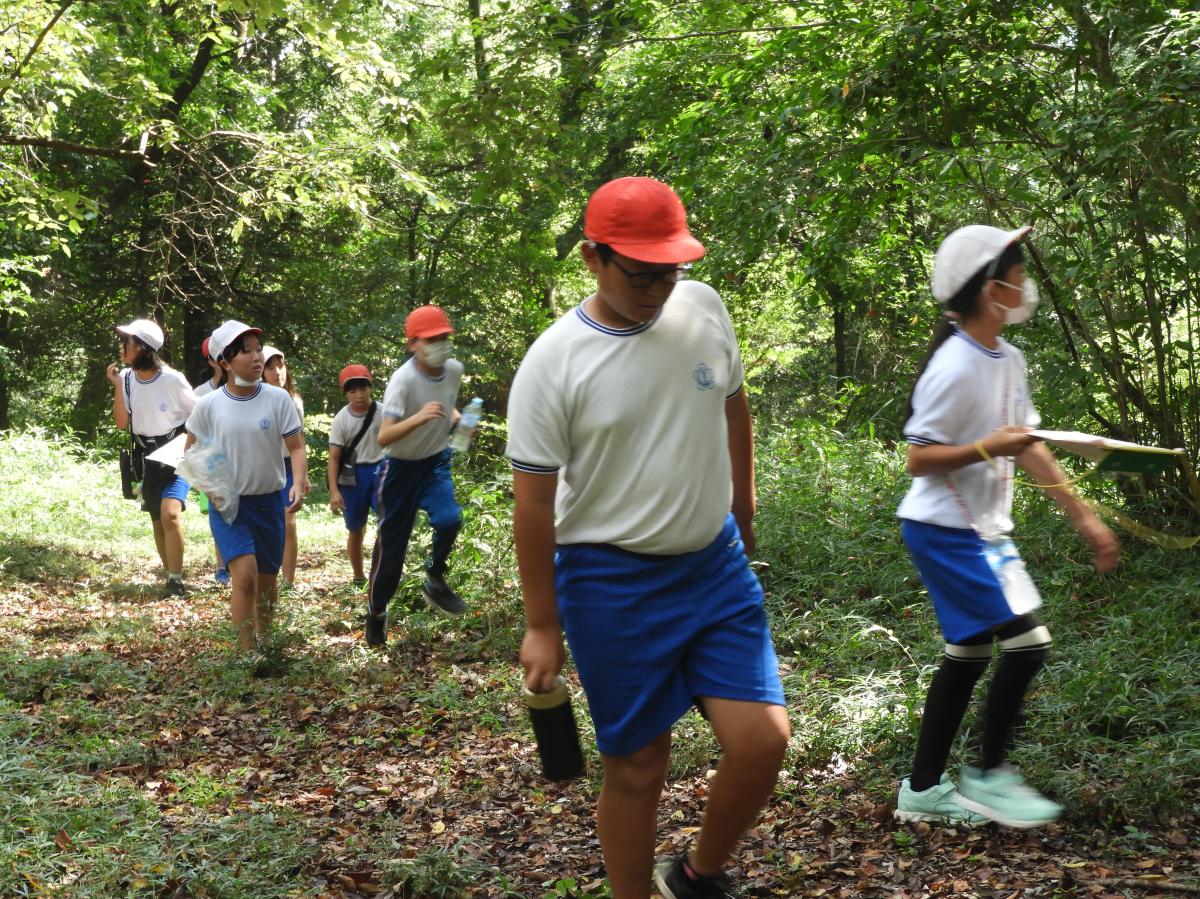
[{"x": 548, "y": 700}]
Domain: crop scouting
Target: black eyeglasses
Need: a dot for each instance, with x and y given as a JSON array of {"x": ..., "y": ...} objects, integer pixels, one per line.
[{"x": 644, "y": 280}]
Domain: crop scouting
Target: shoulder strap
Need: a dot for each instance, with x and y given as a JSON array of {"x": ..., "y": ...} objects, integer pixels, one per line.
[
  {"x": 361, "y": 431},
  {"x": 129, "y": 402}
]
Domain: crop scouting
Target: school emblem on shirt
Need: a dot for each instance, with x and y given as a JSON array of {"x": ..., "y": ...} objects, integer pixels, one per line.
[
  {"x": 703, "y": 376},
  {"x": 264, "y": 422},
  {"x": 162, "y": 407}
]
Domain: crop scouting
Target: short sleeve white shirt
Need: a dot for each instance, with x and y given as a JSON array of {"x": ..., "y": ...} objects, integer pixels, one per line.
[
  {"x": 633, "y": 422},
  {"x": 965, "y": 393},
  {"x": 159, "y": 404},
  {"x": 204, "y": 388},
  {"x": 345, "y": 427},
  {"x": 248, "y": 430},
  {"x": 408, "y": 390}
]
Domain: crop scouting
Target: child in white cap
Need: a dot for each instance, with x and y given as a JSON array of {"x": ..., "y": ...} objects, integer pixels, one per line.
[
  {"x": 247, "y": 420},
  {"x": 278, "y": 373},
  {"x": 969, "y": 413},
  {"x": 153, "y": 400}
]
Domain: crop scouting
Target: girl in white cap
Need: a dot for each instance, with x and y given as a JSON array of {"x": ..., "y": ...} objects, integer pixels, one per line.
[
  {"x": 970, "y": 411},
  {"x": 277, "y": 373},
  {"x": 247, "y": 420},
  {"x": 153, "y": 400}
]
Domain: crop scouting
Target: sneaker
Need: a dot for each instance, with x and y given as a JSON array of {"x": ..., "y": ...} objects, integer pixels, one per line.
[
  {"x": 358, "y": 583},
  {"x": 221, "y": 575},
  {"x": 174, "y": 588},
  {"x": 941, "y": 803},
  {"x": 440, "y": 597},
  {"x": 1003, "y": 796},
  {"x": 675, "y": 880},
  {"x": 376, "y": 630}
]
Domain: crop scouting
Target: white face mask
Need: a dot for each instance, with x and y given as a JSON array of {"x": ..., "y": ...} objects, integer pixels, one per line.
[
  {"x": 435, "y": 354},
  {"x": 1029, "y": 300},
  {"x": 242, "y": 382}
]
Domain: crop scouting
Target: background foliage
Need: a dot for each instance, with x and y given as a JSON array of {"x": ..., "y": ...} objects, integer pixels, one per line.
[{"x": 321, "y": 168}]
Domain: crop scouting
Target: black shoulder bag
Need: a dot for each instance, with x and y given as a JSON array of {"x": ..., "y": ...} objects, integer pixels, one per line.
[
  {"x": 346, "y": 475},
  {"x": 129, "y": 458}
]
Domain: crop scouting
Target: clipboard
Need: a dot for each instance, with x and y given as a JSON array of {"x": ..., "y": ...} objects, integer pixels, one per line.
[{"x": 1110, "y": 455}]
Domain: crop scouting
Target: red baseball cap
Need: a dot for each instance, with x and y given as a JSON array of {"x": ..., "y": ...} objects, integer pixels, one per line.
[
  {"x": 204, "y": 349},
  {"x": 427, "y": 321},
  {"x": 643, "y": 219},
  {"x": 353, "y": 373}
]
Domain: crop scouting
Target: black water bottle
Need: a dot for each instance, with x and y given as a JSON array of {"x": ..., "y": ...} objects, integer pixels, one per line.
[{"x": 554, "y": 729}]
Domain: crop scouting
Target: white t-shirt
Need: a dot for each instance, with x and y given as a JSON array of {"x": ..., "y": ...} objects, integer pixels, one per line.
[
  {"x": 634, "y": 422},
  {"x": 965, "y": 393},
  {"x": 204, "y": 388},
  {"x": 248, "y": 430},
  {"x": 406, "y": 393},
  {"x": 299, "y": 404},
  {"x": 160, "y": 404},
  {"x": 345, "y": 428}
]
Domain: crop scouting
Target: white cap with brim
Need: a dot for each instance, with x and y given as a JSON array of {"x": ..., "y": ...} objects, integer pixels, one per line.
[
  {"x": 226, "y": 334},
  {"x": 146, "y": 331},
  {"x": 270, "y": 352},
  {"x": 965, "y": 252}
]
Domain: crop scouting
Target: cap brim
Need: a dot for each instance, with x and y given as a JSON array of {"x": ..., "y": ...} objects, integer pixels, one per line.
[
  {"x": 679, "y": 249},
  {"x": 440, "y": 332},
  {"x": 1017, "y": 234}
]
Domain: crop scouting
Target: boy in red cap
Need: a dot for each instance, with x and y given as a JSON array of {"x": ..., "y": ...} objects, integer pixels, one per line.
[
  {"x": 632, "y": 448},
  {"x": 419, "y": 411},
  {"x": 354, "y": 440}
]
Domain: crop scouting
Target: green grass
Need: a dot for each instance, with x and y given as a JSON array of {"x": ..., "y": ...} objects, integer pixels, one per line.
[{"x": 139, "y": 757}]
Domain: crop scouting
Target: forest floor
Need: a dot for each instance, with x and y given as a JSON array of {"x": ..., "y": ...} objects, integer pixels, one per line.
[{"x": 142, "y": 758}]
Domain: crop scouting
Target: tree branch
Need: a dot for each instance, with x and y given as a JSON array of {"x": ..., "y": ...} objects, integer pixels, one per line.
[
  {"x": 49, "y": 143},
  {"x": 646, "y": 39},
  {"x": 12, "y": 79}
]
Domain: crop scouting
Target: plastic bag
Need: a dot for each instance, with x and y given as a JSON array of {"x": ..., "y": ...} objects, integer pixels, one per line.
[{"x": 206, "y": 468}]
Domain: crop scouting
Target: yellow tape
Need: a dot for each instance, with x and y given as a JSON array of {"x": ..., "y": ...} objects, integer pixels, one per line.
[{"x": 1159, "y": 538}]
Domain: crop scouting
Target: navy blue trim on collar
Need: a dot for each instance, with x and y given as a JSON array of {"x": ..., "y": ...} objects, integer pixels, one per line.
[
  {"x": 995, "y": 354},
  {"x": 241, "y": 399},
  {"x": 614, "y": 332},
  {"x": 158, "y": 374}
]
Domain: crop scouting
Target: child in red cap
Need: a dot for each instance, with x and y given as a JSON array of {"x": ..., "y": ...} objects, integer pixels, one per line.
[
  {"x": 354, "y": 440},
  {"x": 419, "y": 411},
  {"x": 632, "y": 448}
]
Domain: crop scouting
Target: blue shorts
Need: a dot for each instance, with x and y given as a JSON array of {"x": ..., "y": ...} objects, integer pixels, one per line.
[
  {"x": 966, "y": 596},
  {"x": 651, "y": 634},
  {"x": 360, "y": 498},
  {"x": 160, "y": 482},
  {"x": 288, "y": 480},
  {"x": 257, "y": 531}
]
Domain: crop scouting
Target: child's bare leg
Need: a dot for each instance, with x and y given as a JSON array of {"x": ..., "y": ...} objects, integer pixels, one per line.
[
  {"x": 243, "y": 579},
  {"x": 264, "y": 608},
  {"x": 753, "y": 738},
  {"x": 354, "y": 549},
  {"x": 626, "y": 816},
  {"x": 171, "y": 519},
  {"x": 160, "y": 543},
  {"x": 290, "y": 549}
]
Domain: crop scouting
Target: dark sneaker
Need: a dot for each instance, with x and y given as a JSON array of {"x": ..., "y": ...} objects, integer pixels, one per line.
[
  {"x": 675, "y": 881},
  {"x": 441, "y": 598},
  {"x": 376, "y": 630},
  {"x": 174, "y": 588}
]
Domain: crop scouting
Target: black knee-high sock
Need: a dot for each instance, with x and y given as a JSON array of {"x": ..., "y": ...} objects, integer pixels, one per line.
[
  {"x": 945, "y": 705},
  {"x": 1010, "y": 683}
]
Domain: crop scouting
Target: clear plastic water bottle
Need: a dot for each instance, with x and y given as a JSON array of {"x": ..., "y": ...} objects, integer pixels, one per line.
[{"x": 466, "y": 426}]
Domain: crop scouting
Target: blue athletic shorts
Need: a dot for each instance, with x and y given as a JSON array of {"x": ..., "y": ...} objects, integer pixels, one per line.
[
  {"x": 966, "y": 596},
  {"x": 288, "y": 480},
  {"x": 257, "y": 531},
  {"x": 360, "y": 498},
  {"x": 651, "y": 634},
  {"x": 160, "y": 482}
]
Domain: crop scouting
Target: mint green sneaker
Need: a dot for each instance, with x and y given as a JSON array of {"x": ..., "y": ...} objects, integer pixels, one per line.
[
  {"x": 939, "y": 803},
  {"x": 1003, "y": 796}
]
